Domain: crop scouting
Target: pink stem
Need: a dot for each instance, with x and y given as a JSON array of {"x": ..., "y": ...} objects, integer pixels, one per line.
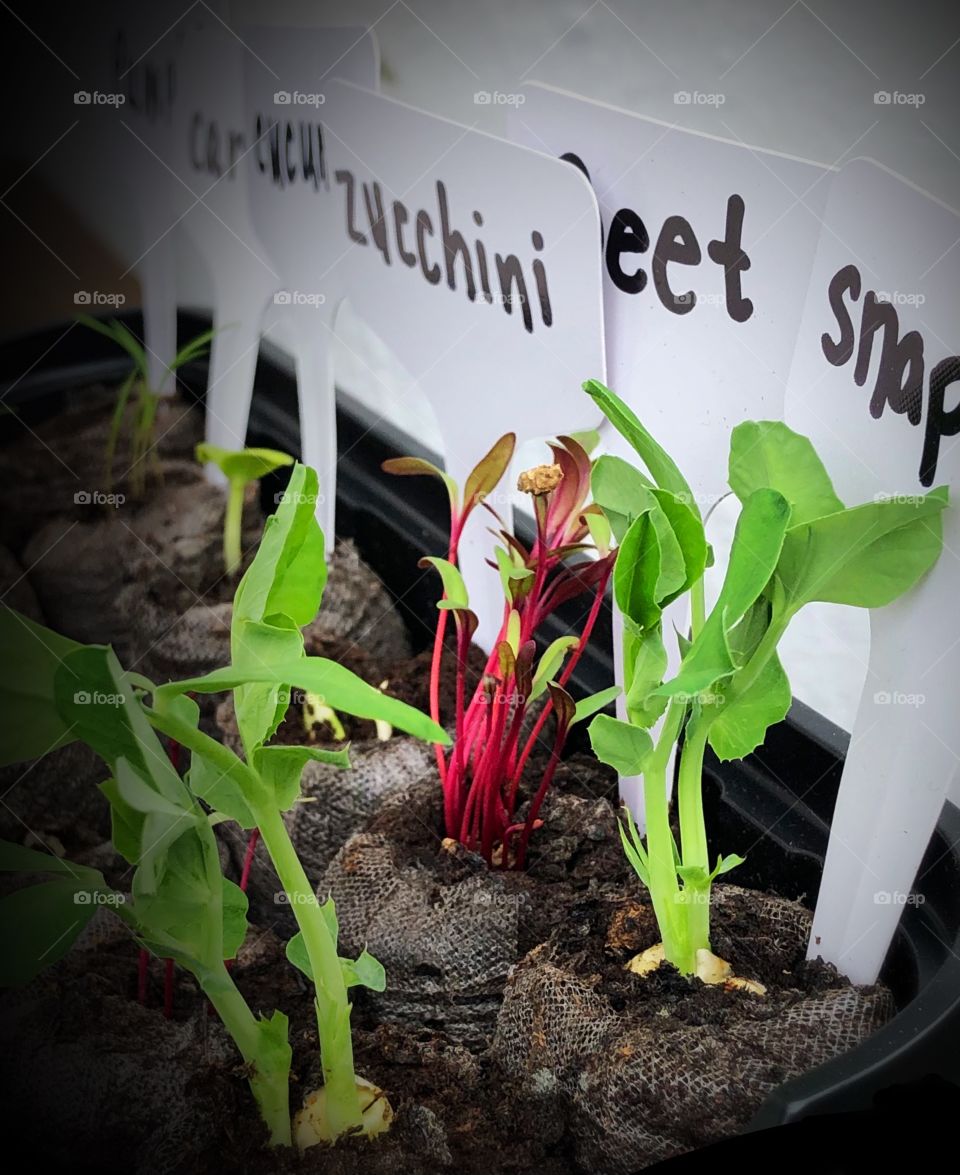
[{"x": 248, "y": 859}]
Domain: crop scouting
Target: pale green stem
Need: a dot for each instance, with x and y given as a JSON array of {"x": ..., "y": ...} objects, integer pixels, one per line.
[
  {"x": 342, "y": 1102},
  {"x": 232, "y": 526},
  {"x": 269, "y": 1082}
]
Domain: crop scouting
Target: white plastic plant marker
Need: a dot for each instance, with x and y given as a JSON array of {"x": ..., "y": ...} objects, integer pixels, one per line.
[
  {"x": 476, "y": 261},
  {"x": 294, "y": 204},
  {"x": 145, "y": 52},
  {"x": 214, "y": 148},
  {"x": 708, "y": 246},
  {"x": 875, "y": 384}
]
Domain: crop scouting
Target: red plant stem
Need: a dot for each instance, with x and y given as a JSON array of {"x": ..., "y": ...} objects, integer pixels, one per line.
[
  {"x": 539, "y": 797},
  {"x": 168, "y": 988},
  {"x": 563, "y": 678},
  {"x": 143, "y": 962},
  {"x": 490, "y": 784},
  {"x": 470, "y": 828},
  {"x": 248, "y": 859}
]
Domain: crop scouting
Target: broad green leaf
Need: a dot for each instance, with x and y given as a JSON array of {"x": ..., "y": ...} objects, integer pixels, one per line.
[
  {"x": 644, "y": 664},
  {"x": 621, "y": 491},
  {"x": 662, "y": 468},
  {"x": 757, "y": 543},
  {"x": 235, "y": 905},
  {"x": 30, "y": 723},
  {"x": 218, "y": 790},
  {"x": 243, "y": 464},
  {"x": 265, "y": 589},
  {"x": 39, "y": 924},
  {"x": 336, "y": 685},
  {"x": 766, "y": 454},
  {"x": 593, "y": 703},
  {"x": 281, "y": 767},
  {"x": 741, "y": 726},
  {"x": 454, "y": 588},
  {"x": 637, "y": 573},
  {"x": 619, "y": 744},
  {"x": 866, "y": 556},
  {"x": 691, "y": 540},
  {"x": 16, "y": 858},
  {"x": 95, "y": 698}
]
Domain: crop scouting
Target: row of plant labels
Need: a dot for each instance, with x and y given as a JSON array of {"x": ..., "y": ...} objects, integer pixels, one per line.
[{"x": 707, "y": 281}]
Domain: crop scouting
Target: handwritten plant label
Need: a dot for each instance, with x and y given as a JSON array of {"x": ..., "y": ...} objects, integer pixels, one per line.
[
  {"x": 707, "y": 251},
  {"x": 876, "y": 384},
  {"x": 476, "y": 261}
]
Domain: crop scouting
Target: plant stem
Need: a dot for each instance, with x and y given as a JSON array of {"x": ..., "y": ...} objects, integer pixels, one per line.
[
  {"x": 233, "y": 526},
  {"x": 332, "y": 1006},
  {"x": 693, "y": 832},
  {"x": 269, "y": 1083}
]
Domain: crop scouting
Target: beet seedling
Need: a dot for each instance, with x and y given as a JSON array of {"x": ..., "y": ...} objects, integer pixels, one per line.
[
  {"x": 482, "y": 774},
  {"x": 795, "y": 542},
  {"x": 241, "y": 467},
  {"x": 147, "y": 399}
]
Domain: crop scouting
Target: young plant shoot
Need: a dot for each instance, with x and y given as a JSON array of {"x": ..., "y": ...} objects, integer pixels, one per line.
[
  {"x": 180, "y": 899},
  {"x": 180, "y": 905},
  {"x": 795, "y": 542},
  {"x": 482, "y": 775},
  {"x": 147, "y": 399},
  {"x": 240, "y": 467}
]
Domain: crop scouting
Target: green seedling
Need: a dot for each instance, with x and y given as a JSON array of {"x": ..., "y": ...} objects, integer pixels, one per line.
[
  {"x": 180, "y": 905},
  {"x": 66, "y": 692},
  {"x": 241, "y": 467},
  {"x": 147, "y": 399},
  {"x": 795, "y": 543}
]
